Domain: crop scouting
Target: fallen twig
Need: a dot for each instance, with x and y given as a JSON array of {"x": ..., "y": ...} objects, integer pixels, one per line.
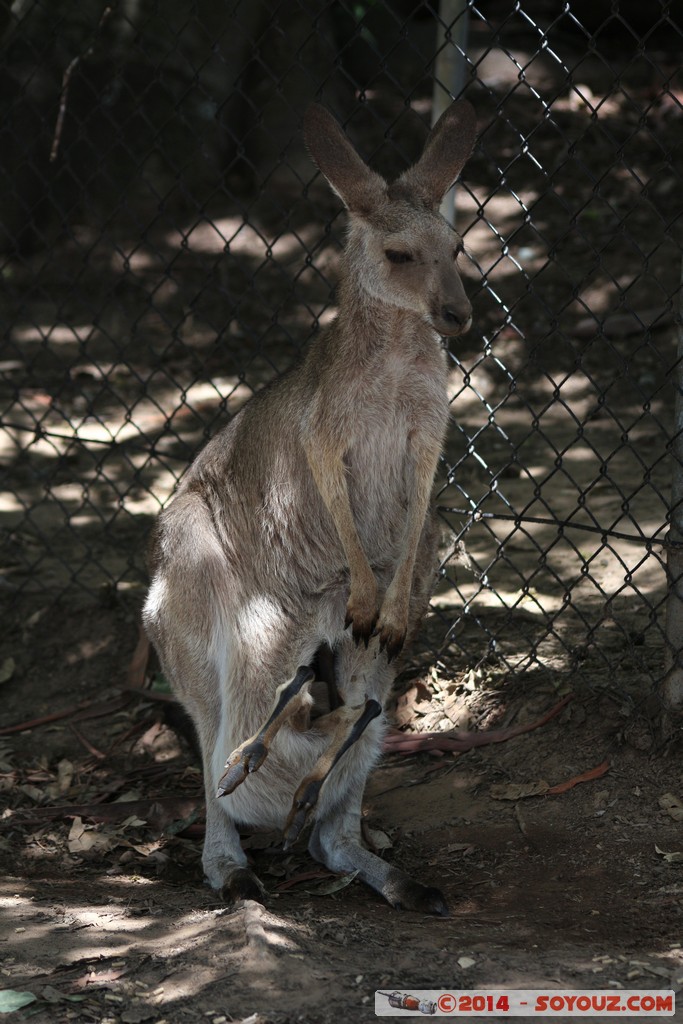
[
  {"x": 79, "y": 713},
  {"x": 459, "y": 740},
  {"x": 304, "y": 876},
  {"x": 159, "y": 811},
  {"x": 99, "y": 754},
  {"x": 592, "y": 773},
  {"x": 138, "y": 663}
]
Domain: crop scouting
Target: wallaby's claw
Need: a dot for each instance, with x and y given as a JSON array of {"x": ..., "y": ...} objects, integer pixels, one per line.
[
  {"x": 246, "y": 759},
  {"x": 391, "y": 642},
  {"x": 362, "y": 625}
]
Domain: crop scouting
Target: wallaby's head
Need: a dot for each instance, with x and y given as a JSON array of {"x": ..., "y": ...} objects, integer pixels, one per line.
[{"x": 400, "y": 248}]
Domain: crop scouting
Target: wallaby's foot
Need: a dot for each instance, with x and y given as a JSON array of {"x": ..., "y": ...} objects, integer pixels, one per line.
[
  {"x": 242, "y": 884},
  {"x": 246, "y": 759},
  {"x": 403, "y": 893}
]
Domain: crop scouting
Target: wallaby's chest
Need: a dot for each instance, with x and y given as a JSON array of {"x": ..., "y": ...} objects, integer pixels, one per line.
[{"x": 404, "y": 400}]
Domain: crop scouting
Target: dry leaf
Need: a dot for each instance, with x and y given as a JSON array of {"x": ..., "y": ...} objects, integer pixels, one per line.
[
  {"x": 65, "y": 774},
  {"x": 380, "y": 840},
  {"x": 455, "y": 708},
  {"x": 672, "y": 805},
  {"x": 84, "y": 840},
  {"x": 132, "y": 822},
  {"x": 327, "y": 888},
  {"x": 671, "y": 858},
  {"x": 518, "y": 790},
  {"x": 33, "y": 792},
  {"x": 406, "y": 705},
  {"x": 7, "y": 669}
]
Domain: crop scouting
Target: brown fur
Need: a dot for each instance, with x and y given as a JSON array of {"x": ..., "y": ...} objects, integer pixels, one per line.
[{"x": 311, "y": 512}]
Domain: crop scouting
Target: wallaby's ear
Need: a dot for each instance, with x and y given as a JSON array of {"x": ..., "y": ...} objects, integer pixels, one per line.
[
  {"x": 359, "y": 188},
  {"x": 446, "y": 152}
]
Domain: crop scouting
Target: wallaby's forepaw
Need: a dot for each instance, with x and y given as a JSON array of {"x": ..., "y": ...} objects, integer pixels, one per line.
[
  {"x": 390, "y": 641},
  {"x": 242, "y": 884},
  {"x": 362, "y": 617},
  {"x": 246, "y": 759},
  {"x": 392, "y": 634}
]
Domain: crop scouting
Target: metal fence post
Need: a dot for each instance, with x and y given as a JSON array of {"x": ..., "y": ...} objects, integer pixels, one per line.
[
  {"x": 672, "y": 690},
  {"x": 449, "y": 70}
]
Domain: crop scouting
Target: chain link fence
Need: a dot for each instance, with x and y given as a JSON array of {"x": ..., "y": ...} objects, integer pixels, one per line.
[{"x": 167, "y": 249}]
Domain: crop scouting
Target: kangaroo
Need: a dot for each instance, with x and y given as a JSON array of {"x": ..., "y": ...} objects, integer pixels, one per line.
[{"x": 298, "y": 554}]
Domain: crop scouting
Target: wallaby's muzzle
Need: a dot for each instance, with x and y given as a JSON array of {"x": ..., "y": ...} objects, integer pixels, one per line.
[{"x": 453, "y": 320}]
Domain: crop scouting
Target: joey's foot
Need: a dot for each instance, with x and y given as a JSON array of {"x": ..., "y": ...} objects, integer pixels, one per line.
[
  {"x": 242, "y": 884},
  {"x": 305, "y": 799},
  {"x": 362, "y": 617},
  {"x": 405, "y": 894},
  {"x": 246, "y": 759}
]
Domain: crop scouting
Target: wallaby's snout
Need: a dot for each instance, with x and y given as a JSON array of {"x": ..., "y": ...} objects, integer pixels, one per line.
[
  {"x": 459, "y": 319},
  {"x": 451, "y": 310},
  {"x": 454, "y": 321}
]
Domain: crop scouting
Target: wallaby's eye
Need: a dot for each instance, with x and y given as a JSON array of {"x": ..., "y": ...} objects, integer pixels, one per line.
[
  {"x": 394, "y": 256},
  {"x": 458, "y": 251}
]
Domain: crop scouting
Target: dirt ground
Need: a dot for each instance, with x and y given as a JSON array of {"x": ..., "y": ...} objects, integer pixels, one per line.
[{"x": 106, "y": 917}]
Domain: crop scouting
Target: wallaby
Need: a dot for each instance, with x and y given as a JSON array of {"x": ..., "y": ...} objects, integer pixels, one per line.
[{"x": 300, "y": 546}]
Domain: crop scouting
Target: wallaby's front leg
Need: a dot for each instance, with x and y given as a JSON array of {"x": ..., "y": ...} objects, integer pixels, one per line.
[
  {"x": 392, "y": 624},
  {"x": 329, "y": 473}
]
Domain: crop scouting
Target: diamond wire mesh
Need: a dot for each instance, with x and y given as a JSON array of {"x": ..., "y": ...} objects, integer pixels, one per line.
[{"x": 177, "y": 251}]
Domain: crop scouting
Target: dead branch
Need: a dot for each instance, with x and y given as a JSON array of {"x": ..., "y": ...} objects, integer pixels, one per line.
[{"x": 66, "y": 80}]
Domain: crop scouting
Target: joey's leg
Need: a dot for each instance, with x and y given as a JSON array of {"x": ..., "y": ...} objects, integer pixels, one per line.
[
  {"x": 251, "y": 754},
  {"x": 392, "y": 624},
  {"x": 342, "y": 738},
  {"x": 329, "y": 473},
  {"x": 336, "y": 842},
  {"x": 324, "y": 665}
]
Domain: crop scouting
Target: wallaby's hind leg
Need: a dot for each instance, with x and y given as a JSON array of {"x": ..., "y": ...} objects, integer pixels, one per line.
[
  {"x": 336, "y": 842},
  {"x": 223, "y": 859},
  {"x": 251, "y": 754},
  {"x": 336, "y": 836}
]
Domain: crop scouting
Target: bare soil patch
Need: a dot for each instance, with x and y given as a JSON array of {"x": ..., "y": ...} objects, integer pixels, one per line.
[{"x": 106, "y": 917}]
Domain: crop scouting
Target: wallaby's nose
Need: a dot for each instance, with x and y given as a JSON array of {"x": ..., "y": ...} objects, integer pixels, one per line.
[
  {"x": 450, "y": 316},
  {"x": 459, "y": 319}
]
